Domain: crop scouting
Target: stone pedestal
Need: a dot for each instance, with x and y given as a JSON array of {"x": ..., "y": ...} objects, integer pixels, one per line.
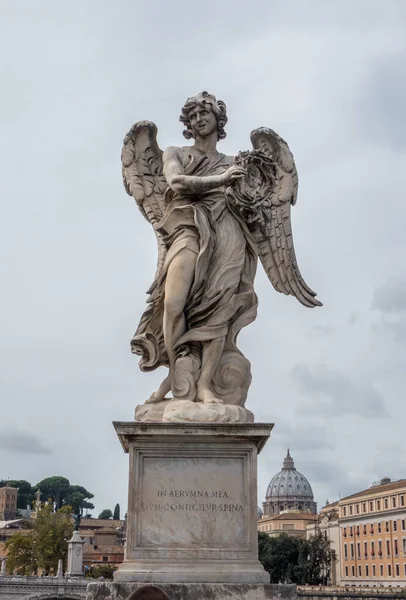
[
  {"x": 75, "y": 556},
  {"x": 190, "y": 591},
  {"x": 192, "y": 508}
]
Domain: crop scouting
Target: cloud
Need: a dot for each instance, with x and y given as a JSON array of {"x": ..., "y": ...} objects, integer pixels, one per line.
[
  {"x": 20, "y": 442},
  {"x": 332, "y": 393},
  {"x": 390, "y": 298}
]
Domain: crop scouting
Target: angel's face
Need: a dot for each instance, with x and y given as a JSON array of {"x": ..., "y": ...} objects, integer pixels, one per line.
[{"x": 203, "y": 120}]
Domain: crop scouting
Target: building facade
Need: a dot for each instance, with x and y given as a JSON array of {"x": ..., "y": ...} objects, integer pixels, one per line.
[
  {"x": 291, "y": 522},
  {"x": 373, "y": 535},
  {"x": 289, "y": 490},
  {"x": 8, "y": 503}
]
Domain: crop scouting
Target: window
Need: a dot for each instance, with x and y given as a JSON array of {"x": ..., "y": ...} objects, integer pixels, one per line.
[
  {"x": 351, "y": 534},
  {"x": 372, "y": 548},
  {"x": 371, "y": 505},
  {"x": 105, "y": 558},
  {"x": 397, "y": 571},
  {"x": 353, "y": 571},
  {"x": 357, "y": 529},
  {"x": 344, "y": 511},
  {"x": 402, "y": 500},
  {"x": 346, "y": 571},
  {"x": 352, "y": 550},
  {"x": 359, "y": 571},
  {"x": 388, "y": 547},
  {"x": 378, "y": 505},
  {"x": 396, "y": 547},
  {"x": 389, "y": 570},
  {"x": 357, "y": 509},
  {"x": 386, "y": 502},
  {"x": 403, "y": 524},
  {"x": 345, "y": 532},
  {"x": 372, "y": 528},
  {"x": 395, "y": 525},
  {"x": 373, "y": 570},
  {"x": 358, "y": 550},
  {"x": 405, "y": 568},
  {"x": 364, "y": 507},
  {"x": 404, "y": 545},
  {"x": 345, "y": 551},
  {"x": 365, "y": 549},
  {"x": 380, "y": 548},
  {"x": 387, "y": 526},
  {"x": 350, "y": 509},
  {"x": 365, "y": 529},
  {"x": 381, "y": 570},
  {"x": 379, "y": 528},
  {"x": 393, "y": 501},
  {"x": 366, "y": 571}
]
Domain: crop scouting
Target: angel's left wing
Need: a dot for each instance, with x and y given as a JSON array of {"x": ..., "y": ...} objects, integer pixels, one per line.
[{"x": 264, "y": 198}]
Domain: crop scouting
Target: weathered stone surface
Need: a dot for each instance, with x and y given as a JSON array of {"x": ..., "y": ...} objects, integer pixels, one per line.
[
  {"x": 186, "y": 411},
  {"x": 214, "y": 216},
  {"x": 190, "y": 591},
  {"x": 192, "y": 510}
]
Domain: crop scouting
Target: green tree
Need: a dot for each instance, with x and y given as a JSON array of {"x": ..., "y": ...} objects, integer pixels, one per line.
[
  {"x": 279, "y": 555},
  {"x": 51, "y": 532},
  {"x": 295, "y": 560},
  {"x": 315, "y": 558},
  {"x": 53, "y": 488},
  {"x": 106, "y": 571},
  {"x": 105, "y": 514},
  {"x": 20, "y": 554},
  {"x": 116, "y": 514},
  {"x": 60, "y": 491},
  {"x": 25, "y": 492}
]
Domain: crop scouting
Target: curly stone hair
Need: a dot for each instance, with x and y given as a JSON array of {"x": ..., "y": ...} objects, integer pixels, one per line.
[{"x": 202, "y": 99}]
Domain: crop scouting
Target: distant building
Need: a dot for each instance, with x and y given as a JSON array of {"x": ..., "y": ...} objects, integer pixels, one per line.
[
  {"x": 8, "y": 503},
  {"x": 289, "y": 490},
  {"x": 289, "y": 504},
  {"x": 104, "y": 542},
  {"x": 291, "y": 522},
  {"x": 373, "y": 535}
]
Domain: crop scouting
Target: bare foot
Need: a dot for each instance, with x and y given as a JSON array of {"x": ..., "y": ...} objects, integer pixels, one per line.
[
  {"x": 159, "y": 395},
  {"x": 207, "y": 397}
]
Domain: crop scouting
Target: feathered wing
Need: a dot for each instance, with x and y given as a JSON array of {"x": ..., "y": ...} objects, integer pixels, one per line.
[
  {"x": 143, "y": 178},
  {"x": 275, "y": 241}
]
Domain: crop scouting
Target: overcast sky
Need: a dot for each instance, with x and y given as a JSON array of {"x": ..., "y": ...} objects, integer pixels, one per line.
[{"x": 77, "y": 256}]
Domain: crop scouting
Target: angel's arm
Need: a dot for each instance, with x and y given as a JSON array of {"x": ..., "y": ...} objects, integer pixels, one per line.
[{"x": 189, "y": 184}]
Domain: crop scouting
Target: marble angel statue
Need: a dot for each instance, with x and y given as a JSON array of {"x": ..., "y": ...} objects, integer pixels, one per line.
[{"x": 213, "y": 216}]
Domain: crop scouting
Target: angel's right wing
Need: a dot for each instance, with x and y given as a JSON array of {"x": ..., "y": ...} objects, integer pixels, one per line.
[{"x": 143, "y": 176}]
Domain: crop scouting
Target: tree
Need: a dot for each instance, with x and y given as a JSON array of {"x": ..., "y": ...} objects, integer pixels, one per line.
[
  {"x": 53, "y": 488},
  {"x": 295, "y": 560},
  {"x": 20, "y": 554},
  {"x": 279, "y": 556},
  {"x": 52, "y": 530},
  {"x": 60, "y": 491},
  {"x": 315, "y": 559},
  {"x": 116, "y": 514},
  {"x": 105, "y": 514},
  {"x": 106, "y": 571},
  {"x": 25, "y": 494}
]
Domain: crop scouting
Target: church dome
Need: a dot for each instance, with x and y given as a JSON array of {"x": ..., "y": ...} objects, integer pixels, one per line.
[{"x": 288, "y": 490}]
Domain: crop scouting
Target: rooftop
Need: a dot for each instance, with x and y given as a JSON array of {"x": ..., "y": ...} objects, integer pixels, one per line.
[{"x": 377, "y": 489}]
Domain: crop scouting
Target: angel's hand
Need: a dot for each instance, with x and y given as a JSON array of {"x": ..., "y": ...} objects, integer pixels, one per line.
[{"x": 233, "y": 173}]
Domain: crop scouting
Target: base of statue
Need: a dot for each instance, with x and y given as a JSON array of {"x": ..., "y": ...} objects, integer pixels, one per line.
[
  {"x": 189, "y": 591},
  {"x": 192, "y": 512}
]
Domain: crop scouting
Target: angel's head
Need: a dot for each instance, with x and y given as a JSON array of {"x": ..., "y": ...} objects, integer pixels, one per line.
[{"x": 203, "y": 114}]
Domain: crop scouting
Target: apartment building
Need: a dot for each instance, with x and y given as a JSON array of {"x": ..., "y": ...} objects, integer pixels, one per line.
[{"x": 373, "y": 535}]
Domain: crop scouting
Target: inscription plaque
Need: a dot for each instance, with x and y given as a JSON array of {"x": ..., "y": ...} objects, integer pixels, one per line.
[{"x": 189, "y": 501}]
